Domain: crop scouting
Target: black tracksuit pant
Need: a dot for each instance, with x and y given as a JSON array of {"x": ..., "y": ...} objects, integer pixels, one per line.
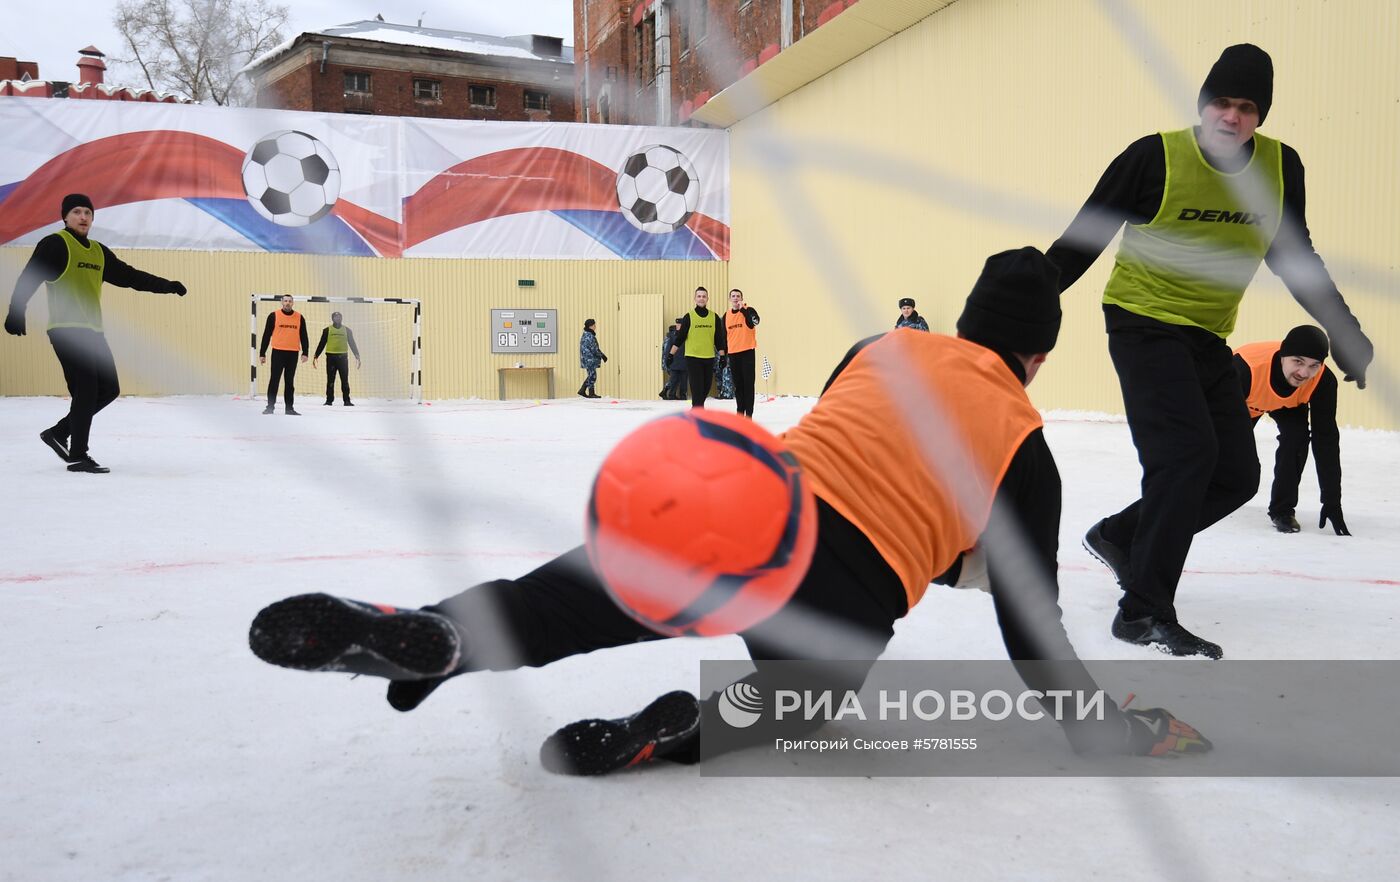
[
  {"x": 337, "y": 362},
  {"x": 562, "y": 609},
  {"x": 1195, "y": 442},
  {"x": 701, "y": 373},
  {"x": 91, "y": 375},
  {"x": 1294, "y": 436},
  {"x": 742, "y": 369},
  {"x": 284, "y": 361}
]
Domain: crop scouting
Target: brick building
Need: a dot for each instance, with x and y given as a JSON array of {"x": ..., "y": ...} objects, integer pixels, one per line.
[
  {"x": 655, "y": 62},
  {"x": 22, "y": 78},
  {"x": 402, "y": 70}
]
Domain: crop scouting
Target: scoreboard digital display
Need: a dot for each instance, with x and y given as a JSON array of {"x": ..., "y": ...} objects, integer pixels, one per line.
[{"x": 517, "y": 331}]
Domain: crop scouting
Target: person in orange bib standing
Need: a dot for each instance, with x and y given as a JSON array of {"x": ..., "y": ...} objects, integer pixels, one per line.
[
  {"x": 75, "y": 269},
  {"x": 894, "y": 513},
  {"x": 285, "y": 331},
  {"x": 740, "y": 324},
  {"x": 1288, "y": 381}
]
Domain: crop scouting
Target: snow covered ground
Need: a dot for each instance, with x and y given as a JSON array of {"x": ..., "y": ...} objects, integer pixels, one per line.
[{"x": 142, "y": 740}]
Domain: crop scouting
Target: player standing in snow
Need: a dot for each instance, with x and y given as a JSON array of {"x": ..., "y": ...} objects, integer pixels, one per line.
[
  {"x": 700, "y": 338},
  {"x": 74, "y": 267},
  {"x": 285, "y": 332},
  {"x": 741, "y": 342},
  {"x": 336, "y": 340},
  {"x": 1203, "y": 207},
  {"x": 1288, "y": 381},
  {"x": 879, "y": 544}
]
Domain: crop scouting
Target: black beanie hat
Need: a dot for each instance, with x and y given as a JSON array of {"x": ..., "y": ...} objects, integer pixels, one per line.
[
  {"x": 72, "y": 201},
  {"x": 1305, "y": 340},
  {"x": 906, "y": 301},
  {"x": 1242, "y": 71},
  {"x": 1015, "y": 304}
]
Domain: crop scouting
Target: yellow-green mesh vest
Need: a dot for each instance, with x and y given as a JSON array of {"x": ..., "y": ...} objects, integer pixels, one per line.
[
  {"x": 336, "y": 340},
  {"x": 1192, "y": 262},
  {"x": 75, "y": 297},
  {"x": 700, "y": 338}
]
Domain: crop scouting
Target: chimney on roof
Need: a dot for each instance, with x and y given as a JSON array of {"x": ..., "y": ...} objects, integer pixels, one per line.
[
  {"x": 547, "y": 47},
  {"x": 91, "y": 66}
]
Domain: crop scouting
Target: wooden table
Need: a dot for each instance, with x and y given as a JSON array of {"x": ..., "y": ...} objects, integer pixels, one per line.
[{"x": 501, "y": 377}]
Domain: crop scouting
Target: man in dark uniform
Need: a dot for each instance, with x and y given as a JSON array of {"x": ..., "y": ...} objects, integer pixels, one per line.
[
  {"x": 285, "y": 331},
  {"x": 1288, "y": 381},
  {"x": 74, "y": 268},
  {"x": 1203, "y": 207},
  {"x": 879, "y": 544},
  {"x": 336, "y": 340}
]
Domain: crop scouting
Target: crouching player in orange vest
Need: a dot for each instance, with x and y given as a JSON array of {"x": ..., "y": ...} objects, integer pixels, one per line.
[
  {"x": 888, "y": 523},
  {"x": 1288, "y": 381}
]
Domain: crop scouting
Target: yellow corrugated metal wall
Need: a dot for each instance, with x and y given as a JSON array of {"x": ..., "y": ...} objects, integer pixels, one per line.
[
  {"x": 199, "y": 344},
  {"x": 986, "y": 125}
]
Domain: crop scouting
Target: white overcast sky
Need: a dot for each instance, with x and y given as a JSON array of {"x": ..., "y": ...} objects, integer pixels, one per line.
[{"x": 52, "y": 34}]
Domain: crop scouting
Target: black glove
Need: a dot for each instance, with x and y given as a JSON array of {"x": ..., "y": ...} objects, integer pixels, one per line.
[
  {"x": 14, "y": 322},
  {"x": 177, "y": 288},
  {"x": 1155, "y": 732},
  {"x": 1353, "y": 355},
  {"x": 1333, "y": 512},
  {"x": 604, "y": 357}
]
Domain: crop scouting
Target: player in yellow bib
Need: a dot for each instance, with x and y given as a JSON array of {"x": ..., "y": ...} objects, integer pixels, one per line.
[
  {"x": 74, "y": 268},
  {"x": 1201, "y": 208}
]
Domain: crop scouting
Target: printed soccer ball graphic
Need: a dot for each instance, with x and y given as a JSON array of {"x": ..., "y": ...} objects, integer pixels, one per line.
[
  {"x": 658, "y": 189},
  {"x": 291, "y": 178}
]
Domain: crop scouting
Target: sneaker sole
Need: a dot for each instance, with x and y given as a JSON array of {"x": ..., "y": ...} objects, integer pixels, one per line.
[
  {"x": 52, "y": 443},
  {"x": 596, "y": 747},
  {"x": 1100, "y": 558},
  {"x": 318, "y": 632}
]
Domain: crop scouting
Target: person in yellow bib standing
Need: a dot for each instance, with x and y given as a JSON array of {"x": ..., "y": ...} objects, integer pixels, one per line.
[
  {"x": 74, "y": 268},
  {"x": 701, "y": 338},
  {"x": 741, "y": 340},
  {"x": 1287, "y": 380},
  {"x": 337, "y": 340},
  {"x": 285, "y": 332},
  {"x": 1203, "y": 207}
]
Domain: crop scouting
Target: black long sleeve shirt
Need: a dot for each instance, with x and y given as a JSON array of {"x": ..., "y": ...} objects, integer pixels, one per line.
[
  {"x": 1130, "y": 192},
  {"x": 1316, "y": 421},
  {"x": 325, "y": 334},
  {"x": 721, "y": 338},
  {"x": 267, "y": 335},
  {"x": 50, "y": 259}
]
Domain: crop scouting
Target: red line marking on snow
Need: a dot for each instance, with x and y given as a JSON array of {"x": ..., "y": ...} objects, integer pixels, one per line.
[
  {"x": 150, "y": 567},
  {"x": 1277, "y": 574}
]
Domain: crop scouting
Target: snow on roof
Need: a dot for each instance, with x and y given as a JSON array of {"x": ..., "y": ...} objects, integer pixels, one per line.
[{"x": 429, "y": 38}]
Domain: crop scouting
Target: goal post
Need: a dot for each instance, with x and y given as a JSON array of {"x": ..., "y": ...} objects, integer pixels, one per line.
[{"x": 391, "y": 345}]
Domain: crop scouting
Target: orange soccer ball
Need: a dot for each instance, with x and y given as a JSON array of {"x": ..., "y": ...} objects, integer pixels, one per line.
[{"x": 701, "y": 523}]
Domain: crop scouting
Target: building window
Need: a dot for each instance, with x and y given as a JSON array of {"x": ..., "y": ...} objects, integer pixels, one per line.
[
  {"x": 536, "y": 100},
  {"x": 481, "y": 96},
  {"x": 356, "y": 83},
  {"x": 646, "y": 51},
  {"x": 700, "y": 20},
  {"x": 427, "y": 90},
  {"x": 680, "y": 17}
]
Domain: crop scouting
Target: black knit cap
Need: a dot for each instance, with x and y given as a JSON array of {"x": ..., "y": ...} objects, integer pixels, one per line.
[
  {"x": 72, "y": 201},
  {"x": 906, "y": 301},
  {"x": 1242, "y": 71},
  {"x": 1305, "y": 340},
  {"x": 1015, "y": 304}
]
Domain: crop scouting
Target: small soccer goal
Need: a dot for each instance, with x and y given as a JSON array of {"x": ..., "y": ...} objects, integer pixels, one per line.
[{"x": 387, "y": 330}]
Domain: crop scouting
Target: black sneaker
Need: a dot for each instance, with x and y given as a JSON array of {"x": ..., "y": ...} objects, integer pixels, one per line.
[
  {"x": 348, "y": 403},
  {"x": 56, "y": 443},
  {"x": 328, "y": 403},
  {"x": 1169, "y": 637},
  {"x": 318, "y": 632},
  {"x": 292, "y": 412},
  {"x": 89, "y": 465},
  {"x": 668, "y": 728},
  {"x": 267, "y": 409},
  {"x": 1284, "y": 523},
  {"x": 1107, "y": 553}
]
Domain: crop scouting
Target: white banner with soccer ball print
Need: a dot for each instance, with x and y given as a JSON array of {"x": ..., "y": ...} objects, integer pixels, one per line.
[{"x": 228, "y": 179}]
